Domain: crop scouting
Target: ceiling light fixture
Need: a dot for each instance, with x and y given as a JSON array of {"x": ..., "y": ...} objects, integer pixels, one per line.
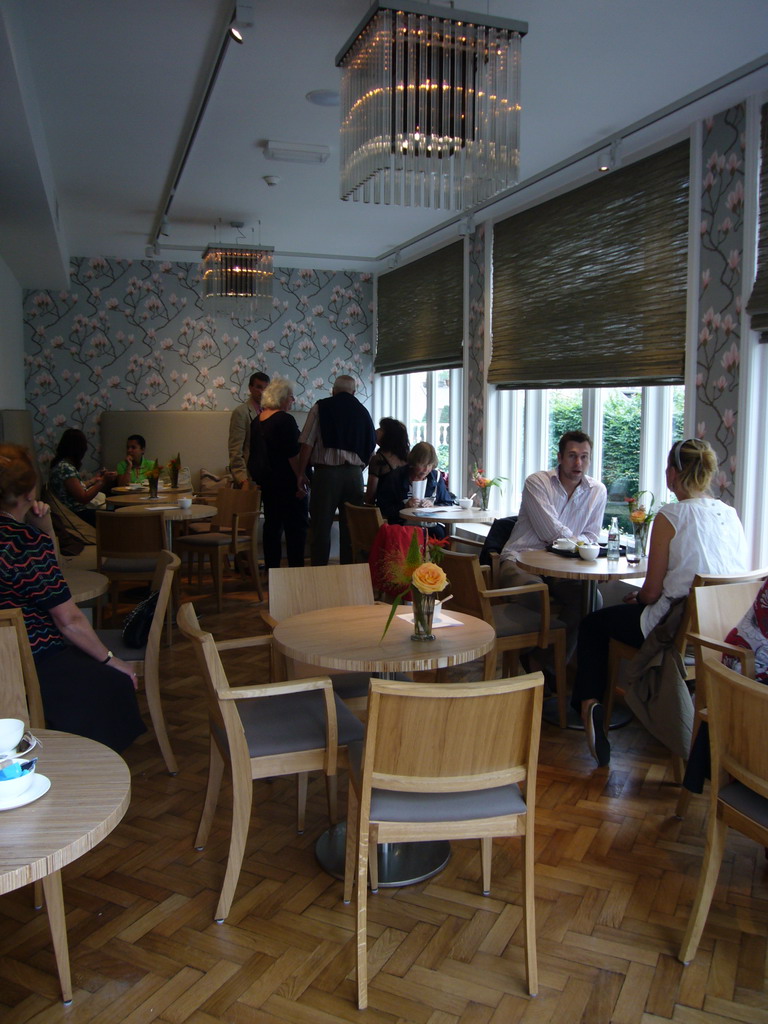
[
  {"x": 242, "y": 17},
  {"x": 295, "y": 152},
  {"x": 609, "y": 159},
  {"x": 237, "y": 279},
  {"x": 430, "y": 106}
]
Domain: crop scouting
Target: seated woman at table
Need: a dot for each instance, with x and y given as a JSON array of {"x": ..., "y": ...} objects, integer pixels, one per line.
[
  {"x": 65, "y": 480},
  {"x": 392, "y": 439},
  {"x": 695, "y": 534},
  {"x": 272, "y": 463},
  {"x": 395, "y": 490},
  {"x": 85, "y": 689},
  {"x": 134, "y": 467}
]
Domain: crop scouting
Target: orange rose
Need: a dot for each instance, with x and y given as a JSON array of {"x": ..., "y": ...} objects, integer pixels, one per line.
[
  {"x": 638, "y": 515},
  {"x": 428, "y": 578}
]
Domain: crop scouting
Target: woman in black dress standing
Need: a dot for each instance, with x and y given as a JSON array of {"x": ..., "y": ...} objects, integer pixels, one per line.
[
  {"x": 392, "y": 439},
  {"x": 272, "y": 464}
]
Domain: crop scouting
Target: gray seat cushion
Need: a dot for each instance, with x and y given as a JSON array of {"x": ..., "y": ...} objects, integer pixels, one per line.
[
  {"x": 514, "y": 619},
  {"x": 746, "y": 801},
  {"x": 113, "y": 641},
  {"x": 478, "y": 803},
  {"x": 146, "y": 565},
  {"x": 293, "y": 721}
]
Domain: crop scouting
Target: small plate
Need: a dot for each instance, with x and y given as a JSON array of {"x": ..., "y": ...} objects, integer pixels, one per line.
[{"x": 39, "y": 787}]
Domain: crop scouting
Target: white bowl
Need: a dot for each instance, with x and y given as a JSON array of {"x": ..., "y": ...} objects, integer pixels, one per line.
[
  {"x": 11, "y": 731},
  {"x": 588, "y": 552},
  {"x": 465, "y": 503},
  {"x": 185, "y": 503},
  {"x": 12, "y": 788}
]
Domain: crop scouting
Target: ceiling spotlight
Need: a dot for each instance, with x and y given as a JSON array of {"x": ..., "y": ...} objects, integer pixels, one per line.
[
  {"x": 295, "y": 152},
  {"x": 609, "y": 159},
  {"x": 271, "y": 180},
  {"x": 242, "y": 17},
  {"x": 323, "y": 98}
]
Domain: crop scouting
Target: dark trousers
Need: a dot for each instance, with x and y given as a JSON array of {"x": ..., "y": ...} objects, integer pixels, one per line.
[
  {"x": 617, "y": 622},
  {"x": 331, "y": 487},
  {"x": 284, "y": 513}
]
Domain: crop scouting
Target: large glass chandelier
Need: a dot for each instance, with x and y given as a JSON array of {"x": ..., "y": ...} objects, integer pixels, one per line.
[
  {"x": 430, "y": 103},
  {"x": 237, "y": 280}
]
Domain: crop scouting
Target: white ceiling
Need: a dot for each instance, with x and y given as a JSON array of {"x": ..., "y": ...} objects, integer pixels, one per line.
[{"x": 98, "y": 99}]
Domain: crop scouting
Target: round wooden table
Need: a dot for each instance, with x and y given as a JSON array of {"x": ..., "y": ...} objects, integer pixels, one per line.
[
  {"x": 167, "y": 496},
  {"x": 566, "y": 567},
  {"x": 84, "y": 584},
  {"x": 448, "y": 515},
  {"x": 90, "y": 788},
  {"x": 350, "y": 638},
  {"x": 171, "y": 512}
]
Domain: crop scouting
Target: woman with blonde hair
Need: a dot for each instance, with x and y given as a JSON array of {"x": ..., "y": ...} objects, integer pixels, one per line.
[
  {"x": 272, "y": 464},
  {"x": 85, "y": 689},
  {"x": 695, "y": 534}
]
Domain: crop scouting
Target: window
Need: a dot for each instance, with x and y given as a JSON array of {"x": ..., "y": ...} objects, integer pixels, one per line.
[
  {"x": 423, "y": 402},
  {"x": 632, "y": 429}
]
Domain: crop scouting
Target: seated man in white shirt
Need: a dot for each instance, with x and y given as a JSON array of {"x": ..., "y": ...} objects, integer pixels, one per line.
[{"x": 559, "y": 502}]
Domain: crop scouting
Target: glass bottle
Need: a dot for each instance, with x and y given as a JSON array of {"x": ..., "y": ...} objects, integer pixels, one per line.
[{"x": 613, "y": 541}]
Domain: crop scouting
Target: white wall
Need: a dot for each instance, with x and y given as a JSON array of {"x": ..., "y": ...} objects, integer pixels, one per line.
[{"x": 11, "y": 341}]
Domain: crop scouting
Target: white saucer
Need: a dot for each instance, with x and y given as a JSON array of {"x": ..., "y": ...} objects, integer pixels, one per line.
[{"x": 39, "y": 787}]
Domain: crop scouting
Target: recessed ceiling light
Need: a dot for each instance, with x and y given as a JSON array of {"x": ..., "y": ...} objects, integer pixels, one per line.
[{"x": 323, "y": 98}]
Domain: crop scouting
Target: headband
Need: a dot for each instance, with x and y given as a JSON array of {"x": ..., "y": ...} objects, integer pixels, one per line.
[{"x": 676, "y": 450}]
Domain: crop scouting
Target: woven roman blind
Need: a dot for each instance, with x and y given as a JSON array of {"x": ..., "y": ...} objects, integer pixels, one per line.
[
  {"x": 757, "y": 307},
  {"x": 420, "y": 314},
  {"x": 589, "y": 288}
]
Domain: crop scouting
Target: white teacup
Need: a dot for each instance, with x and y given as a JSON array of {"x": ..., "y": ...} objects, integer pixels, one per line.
[
  {"x": 418, "y": 488},
  {"x": 11, "y": 731},
  {"x": 465, "y": 503},
  {"x": 185, "y": 503},
  {"x": 564, "y": 544},
  {"x": 10, "y": 789},
  {"x": 588, "y": 552}
]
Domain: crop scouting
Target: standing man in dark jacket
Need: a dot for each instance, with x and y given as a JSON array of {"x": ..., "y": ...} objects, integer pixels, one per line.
[{"x": 337, "y": 440}]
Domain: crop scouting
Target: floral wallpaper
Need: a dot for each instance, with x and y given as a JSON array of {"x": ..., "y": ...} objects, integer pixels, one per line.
[
  {"x": 136, "y": 335},
  {"x": 475, "y": 362},
  {"x": 721, "y": 246}
]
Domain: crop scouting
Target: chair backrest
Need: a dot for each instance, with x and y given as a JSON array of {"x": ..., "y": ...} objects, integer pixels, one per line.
[
  {"x": 167, "y": 565},
  {"x": 465, "y": 583},
  {"x": 19, "y": 686},
  {"x": 310, "y": 587},
  {"x": 717, "y": 609},
  {"x": 738, "y": 724},
  {"x": 131, "y": 534},
  {"x": 243, "y": 503},
  {"x": 448, "y": 738},
  {"x": 707, "y": 580},
  {"x": 363, "y": 522}
]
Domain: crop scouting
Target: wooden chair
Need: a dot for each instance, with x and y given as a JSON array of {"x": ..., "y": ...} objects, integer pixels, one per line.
[
  {"x": 293, "y": 591},
  {"x": 445, "y": 762},
  {"x": 19, "y": 685},
  {"x": 716, "y": 609},
  {"x": 738, "y": 726},
  {"x": 363, "y": 522},
  {"x": 233, "y": 533},
  {"x": 128, "y": 547},
  {"x": 146, "y": 660},
  {"x": 517, "y": 628},
  {"x": 20, "y": 698},
  {"x": 264, "y": 730}
]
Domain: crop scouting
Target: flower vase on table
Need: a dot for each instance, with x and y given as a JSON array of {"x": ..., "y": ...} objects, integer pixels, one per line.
[
  {"x": 640, "y": 531},
  {"x": 423, "y": 612},
  {"x": 152, "y": 481},
  {"x": 484, "y": 485},
  {"x": 640, "y": 516},
  {"x": 173, "y": 470}
]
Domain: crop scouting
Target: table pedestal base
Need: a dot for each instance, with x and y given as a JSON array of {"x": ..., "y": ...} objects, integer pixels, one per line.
[
  {"x": 620, "y": 717},
  {"x": 399, "y": 863}
]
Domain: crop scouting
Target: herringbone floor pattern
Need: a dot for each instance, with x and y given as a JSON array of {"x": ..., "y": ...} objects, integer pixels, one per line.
[{"x": 615, "y": 877}]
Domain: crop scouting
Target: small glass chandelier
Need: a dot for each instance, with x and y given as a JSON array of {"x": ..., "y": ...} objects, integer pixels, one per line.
[
  {"x": 430, "y": 102},
  {"x": 237, "y": 280}
]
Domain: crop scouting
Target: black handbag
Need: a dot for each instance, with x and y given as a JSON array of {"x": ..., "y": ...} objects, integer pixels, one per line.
[{"x": 139, "y": 622}]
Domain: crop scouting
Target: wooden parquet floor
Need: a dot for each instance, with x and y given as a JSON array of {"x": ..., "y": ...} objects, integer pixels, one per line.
[{"x": 615, "y": 876}]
